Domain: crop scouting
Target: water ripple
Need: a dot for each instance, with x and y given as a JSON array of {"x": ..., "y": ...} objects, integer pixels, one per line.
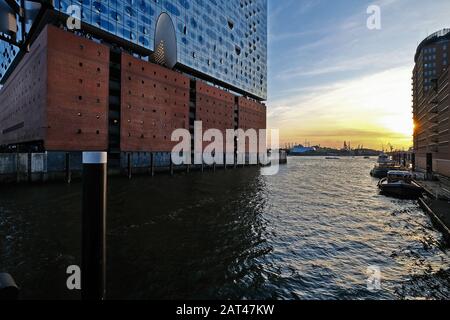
[{"x": 309, "y": 232}]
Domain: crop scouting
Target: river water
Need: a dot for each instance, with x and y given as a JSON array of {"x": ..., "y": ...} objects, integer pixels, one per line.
[{"x": 309, "y": 232}]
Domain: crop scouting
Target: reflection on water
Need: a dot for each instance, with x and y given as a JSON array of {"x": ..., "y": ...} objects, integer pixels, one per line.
[{"x": 308, "y": 233}]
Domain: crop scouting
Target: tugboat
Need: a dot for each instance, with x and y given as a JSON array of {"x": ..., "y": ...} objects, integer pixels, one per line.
[
  {"x": 383, "y": 166},
  {"x": 400, "y": 184}
]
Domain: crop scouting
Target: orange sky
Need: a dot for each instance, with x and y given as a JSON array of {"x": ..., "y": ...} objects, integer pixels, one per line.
[{"x": 372, "y": 111}]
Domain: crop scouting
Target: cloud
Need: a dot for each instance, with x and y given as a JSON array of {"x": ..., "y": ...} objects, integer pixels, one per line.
[
  {"x": 375, "y": 106},
  {"x": 331, "y": 76}
]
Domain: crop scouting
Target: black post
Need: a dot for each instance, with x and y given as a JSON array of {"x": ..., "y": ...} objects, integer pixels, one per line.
[
  {"x": 152, "y": 164},
  {"x": 29, "y": 166},
  {"x": 8, "y": 288},
  {"x": 68, "y": 172},
  {"x": 225, "y": 161},
  {"x": 17, "y": 166},
  {"x": 93, "y": 226},
  {"x": 129, "y": 165}
]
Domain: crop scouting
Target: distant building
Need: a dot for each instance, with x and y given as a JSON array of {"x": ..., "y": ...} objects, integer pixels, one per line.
[{"x": 431, "y": 102}]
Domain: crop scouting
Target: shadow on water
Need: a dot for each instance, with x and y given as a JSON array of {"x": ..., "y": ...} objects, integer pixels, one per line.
[
  {"x": 193, "y": 236},
  {"x": 309, "y": 232}
]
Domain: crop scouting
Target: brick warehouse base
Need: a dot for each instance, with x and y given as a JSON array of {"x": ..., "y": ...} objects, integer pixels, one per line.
[
  {"x": 67, "y": 166},
  {"x": 69, "y": 94},
  {"x": 58, "y": 94}
]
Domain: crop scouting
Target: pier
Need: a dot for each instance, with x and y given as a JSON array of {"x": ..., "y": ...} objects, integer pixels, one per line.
[
  {"x": 67, "y": 166},
  {"x": 436, "y": 201}
]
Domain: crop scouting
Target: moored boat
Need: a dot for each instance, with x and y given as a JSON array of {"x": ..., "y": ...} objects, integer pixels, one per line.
[
  {"x": 383, "y": 166},
  {"x": 400, "y": 184}
]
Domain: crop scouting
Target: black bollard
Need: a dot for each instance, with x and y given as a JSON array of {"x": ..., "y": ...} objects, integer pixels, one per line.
[
  {"x": 29, "y": 164},
  {"x": 152, "y": 164},
  {"x": 8, "y": 288},
  {"x": 93, "y": 226},
  {"x": 68, "y": 172},
  {"x": 129, "y": 165}
]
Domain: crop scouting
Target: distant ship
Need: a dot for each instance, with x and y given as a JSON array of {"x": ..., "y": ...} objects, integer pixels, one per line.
[{"x": 300, "y": 150}]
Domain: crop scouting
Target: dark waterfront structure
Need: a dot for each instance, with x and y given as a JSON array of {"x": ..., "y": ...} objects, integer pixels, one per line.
[
  {"x": 431, "y": 92},
  {"x": 132, "y": 74}
]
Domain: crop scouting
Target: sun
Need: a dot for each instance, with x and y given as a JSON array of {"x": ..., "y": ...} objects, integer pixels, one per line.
[{"x": 398, "y": 124}]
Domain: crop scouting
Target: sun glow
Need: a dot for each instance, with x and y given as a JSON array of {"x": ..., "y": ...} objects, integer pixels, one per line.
[
  {"x": 398, "y": 124},
  {"x": 372, "y": 111}
]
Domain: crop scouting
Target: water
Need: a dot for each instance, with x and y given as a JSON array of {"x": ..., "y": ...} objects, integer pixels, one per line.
[{"x": 310, "y": 232}]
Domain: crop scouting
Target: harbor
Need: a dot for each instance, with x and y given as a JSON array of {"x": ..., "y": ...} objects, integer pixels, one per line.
[
  {"x": 231, "y": 235},
  {"x": 430, "y": 189},
  {"x": 224, "y": 157}
]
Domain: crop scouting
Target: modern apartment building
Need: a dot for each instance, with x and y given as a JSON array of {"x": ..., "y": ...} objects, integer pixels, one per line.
[
  {"x": 431, "y": 103},
  {"x": 131, "y": 73}
]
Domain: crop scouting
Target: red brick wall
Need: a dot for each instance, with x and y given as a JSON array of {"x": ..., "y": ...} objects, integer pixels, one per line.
[
  {"x": 154, "y": 102},
  {"x": 59, "y": 91},
  {"x": 78, "y": 93},
  {"x": 252, "y": 114},
  {"x": 23, "y": 97},
  {"x": 215, "y": 108}
]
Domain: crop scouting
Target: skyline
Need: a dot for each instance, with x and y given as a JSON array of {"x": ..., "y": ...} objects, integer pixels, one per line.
[{"x": 331, "y": 81}]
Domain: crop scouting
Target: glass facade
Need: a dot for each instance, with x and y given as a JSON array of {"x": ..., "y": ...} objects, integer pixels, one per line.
[{"x": 226, "y": 40}]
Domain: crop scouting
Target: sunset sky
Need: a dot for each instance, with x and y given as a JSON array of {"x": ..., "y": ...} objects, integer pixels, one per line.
[{"x": 332, "y": 79}]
